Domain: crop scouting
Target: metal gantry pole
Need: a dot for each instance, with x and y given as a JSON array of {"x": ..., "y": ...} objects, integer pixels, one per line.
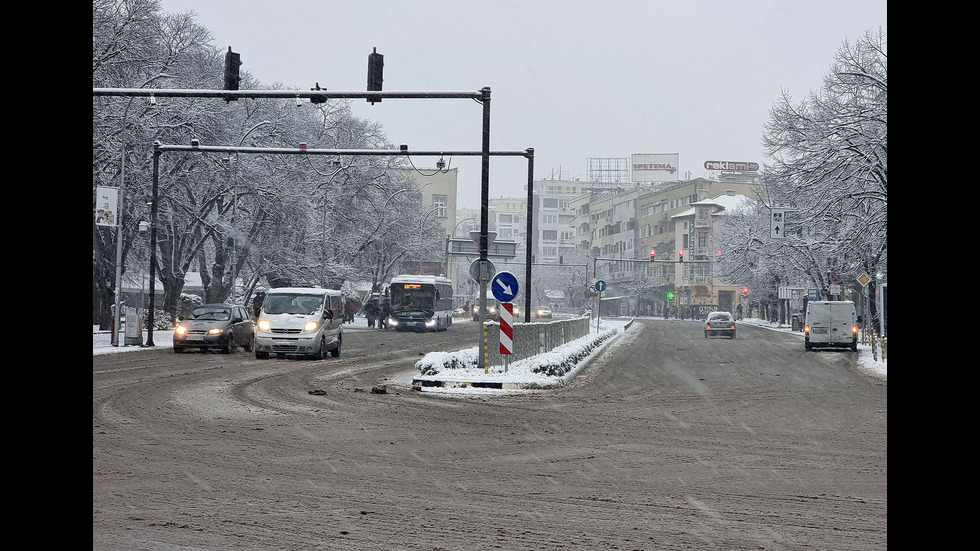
[
  {"x": 153, "y": 241},
  {"x": 528, "y": 240},
  {"x": 484, "y": 203}
]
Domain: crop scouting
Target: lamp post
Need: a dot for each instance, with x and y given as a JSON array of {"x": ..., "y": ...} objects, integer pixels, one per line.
[
  {"x": 323, "y": 221},
  {"x": 448, "y": 239},
  {"x": 418, "y": 258}
]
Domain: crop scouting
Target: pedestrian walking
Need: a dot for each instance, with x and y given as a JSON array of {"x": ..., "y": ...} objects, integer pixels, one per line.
[
  {"x": 371, "y": 310},
  {"x": 384, "y": 314}
]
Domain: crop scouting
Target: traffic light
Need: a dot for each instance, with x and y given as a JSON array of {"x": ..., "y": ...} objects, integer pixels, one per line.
[
  {"x": 561, "y": 259},
  {"x": 745, "y": 290},
  {"x": 680, "y": 254},
  {"x": 232, "y": 75},
  {"x": 318, "y": 99},
  {"x": 653, "y": 254},
  {"x": 670, "y": 295},
  {"x": 375, "y": 76}
]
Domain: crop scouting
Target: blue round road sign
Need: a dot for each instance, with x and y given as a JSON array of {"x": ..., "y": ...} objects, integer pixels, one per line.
[
  {"x": 600, "y": 285},
  {"x": 504, "y": 286}
]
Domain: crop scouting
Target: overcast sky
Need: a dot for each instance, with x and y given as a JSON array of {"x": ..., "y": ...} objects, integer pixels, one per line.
[{"x": 572, "y": 79}]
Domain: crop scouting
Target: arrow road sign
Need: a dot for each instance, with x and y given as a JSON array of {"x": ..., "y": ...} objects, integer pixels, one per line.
[
  {"x": 600, "y": 285},
  {"x": 504, "y": 286}
]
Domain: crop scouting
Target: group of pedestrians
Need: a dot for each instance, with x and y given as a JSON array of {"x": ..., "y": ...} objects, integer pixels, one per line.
[{"x": 377, "y": 311}]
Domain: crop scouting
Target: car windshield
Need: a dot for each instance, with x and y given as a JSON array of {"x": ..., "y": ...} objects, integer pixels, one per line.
[
  {"x": 720, "y": 316},
  {"x": 210, "y": 313},
  {"x": 292, "y": 303}
]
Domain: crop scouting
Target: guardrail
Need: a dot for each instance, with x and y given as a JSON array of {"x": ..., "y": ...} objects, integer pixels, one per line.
[{"x": 530, "y": 339}]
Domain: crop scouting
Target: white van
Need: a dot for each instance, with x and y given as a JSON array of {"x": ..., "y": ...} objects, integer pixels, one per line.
[
  {"x": 831, "y": 323},
  {"x": 300, "y": 321}
]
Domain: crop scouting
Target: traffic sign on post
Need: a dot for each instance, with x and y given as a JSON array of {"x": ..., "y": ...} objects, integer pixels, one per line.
[
  {"x": 504, "y": 286},
  {"x": 506, "y": 327},
  {"x": 480, "y": 270},
  {"x": 600, "y": 285}
]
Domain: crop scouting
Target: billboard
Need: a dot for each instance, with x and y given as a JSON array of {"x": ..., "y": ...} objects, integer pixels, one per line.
[
  {"x": 106, "y": 206},
  {"x": 654, "y": 167}
]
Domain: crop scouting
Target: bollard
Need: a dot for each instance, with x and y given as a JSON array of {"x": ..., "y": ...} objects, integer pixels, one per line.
[{"x": 883, "y": 342}]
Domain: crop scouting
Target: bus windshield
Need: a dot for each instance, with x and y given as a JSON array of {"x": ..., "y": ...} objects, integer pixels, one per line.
[{"x": 413, "y": 295}]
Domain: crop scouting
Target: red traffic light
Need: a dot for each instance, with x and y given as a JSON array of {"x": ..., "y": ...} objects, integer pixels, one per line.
[
  {"x": 745, "y": 290},
  {"x": 680, "y": 255},
  {"x": 653, "y": 254}
]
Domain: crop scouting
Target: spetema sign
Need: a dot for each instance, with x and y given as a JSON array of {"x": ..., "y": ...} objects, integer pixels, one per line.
[
  {"x": 731, "y": 165},
  {"x": 655, "y": 167}
]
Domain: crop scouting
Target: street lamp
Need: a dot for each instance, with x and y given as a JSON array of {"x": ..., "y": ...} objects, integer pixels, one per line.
[
  {"x": 323, "y": 221},
  {"x": 418, "y": 258}
]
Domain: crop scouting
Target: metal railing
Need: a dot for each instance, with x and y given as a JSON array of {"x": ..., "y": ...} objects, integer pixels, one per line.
[{"x": 530, "y": 339}]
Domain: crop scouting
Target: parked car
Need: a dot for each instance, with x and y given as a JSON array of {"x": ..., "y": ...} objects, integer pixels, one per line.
[
  {"x": 218, "y": 326},
  {"x": 542, "y": 312},
  {"x": 719, "y": 323}
]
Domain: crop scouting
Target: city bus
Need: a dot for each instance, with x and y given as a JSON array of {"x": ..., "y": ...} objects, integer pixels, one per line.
[{"x": 420, "y": 303}]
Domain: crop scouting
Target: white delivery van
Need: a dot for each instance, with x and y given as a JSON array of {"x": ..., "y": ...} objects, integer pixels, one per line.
[
  {"x": 300, "y": 321},
  {"x": 831, "y": 323}
]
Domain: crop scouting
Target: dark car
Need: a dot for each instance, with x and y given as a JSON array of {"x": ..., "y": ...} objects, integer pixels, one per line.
[
  {"x": 215, "y": 326},
  {"x": 719, "y": 323}
]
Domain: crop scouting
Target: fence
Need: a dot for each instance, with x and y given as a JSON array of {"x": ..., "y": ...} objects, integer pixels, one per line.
[{"x": 531, "y": 339}]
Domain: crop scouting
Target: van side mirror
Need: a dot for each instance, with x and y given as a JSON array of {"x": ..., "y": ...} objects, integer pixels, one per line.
[
  {"x": 327, "y": 314},
  {"x": 859, "y": 319}
]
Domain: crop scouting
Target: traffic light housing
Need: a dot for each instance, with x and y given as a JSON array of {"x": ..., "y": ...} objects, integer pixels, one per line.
[
  {"x": 653, "y": 254},
  {"x": 232, "y": 73},
  {"x": 318, "y": 99},
  {"x": 375, "y": 76},
  {"x": 670, "y": 295},
  {"x": 680, "y": 254},
  {"x": 561, "y": 259}
]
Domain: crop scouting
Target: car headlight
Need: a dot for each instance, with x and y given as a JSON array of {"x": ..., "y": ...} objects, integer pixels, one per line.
[
  {"x": 180, "y": 330},
  {"x": 311, "y": 326},
  {"x": 215, "y": 331},
  {"x": 263, "y": 325},
  {"x": 430, "y": 323}
]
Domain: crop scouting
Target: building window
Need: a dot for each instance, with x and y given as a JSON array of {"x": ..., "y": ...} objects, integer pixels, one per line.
[
  {"x": 439, "y": 205},
  {"x": 506, "y": 218},
  {"x": 550, "y": 235},
  {"x": 549, "y": 203}
]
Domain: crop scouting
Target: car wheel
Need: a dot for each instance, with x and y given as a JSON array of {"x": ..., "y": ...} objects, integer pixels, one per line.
[
  {"x": 226, "y": 346},
  {"x": 321, "y": 351},
  {"x": 336, "y": 350},
  {"x": 806, "y": 344},
  {"x": 733, "y": 334},
  {"x": 178, "y": 350},
  {"x": 249, "y": 344},
  {"x": 261, "y": 355},
  {"x": 854, "y": 346}
]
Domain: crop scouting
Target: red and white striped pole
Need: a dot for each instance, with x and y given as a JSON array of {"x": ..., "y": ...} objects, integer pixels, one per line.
[{"x": 506, "y": 330}]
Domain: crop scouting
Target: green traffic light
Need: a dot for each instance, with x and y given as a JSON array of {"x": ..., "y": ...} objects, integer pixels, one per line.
[{"x": 670, "y": 295}]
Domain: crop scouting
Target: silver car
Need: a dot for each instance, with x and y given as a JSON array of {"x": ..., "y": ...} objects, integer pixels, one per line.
[{"x": 719, "y": 323}]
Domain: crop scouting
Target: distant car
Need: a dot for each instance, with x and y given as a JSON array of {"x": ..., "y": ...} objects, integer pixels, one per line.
[
  {"x": 719, "y": 323},
  {"x": 542, "y": 312},
  {"x": 491, "y": 311},
  {"x": 215, "y": 326}
]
